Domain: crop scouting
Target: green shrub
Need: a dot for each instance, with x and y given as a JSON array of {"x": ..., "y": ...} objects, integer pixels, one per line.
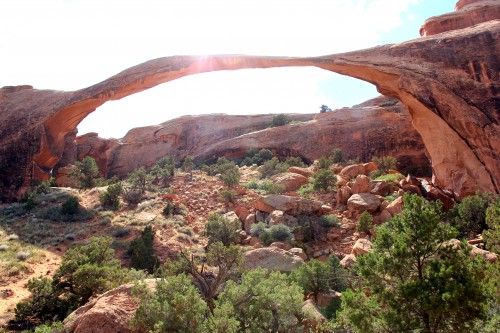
[
  {"x": 111, "y": 196},
  {"x": 219, "y": 229},
  {"x": 142, "y": 255},
  {"x": 54, "y": 327},
  {"x": 163, "y": 171},
  {"x": 295, "y": 161},
  {"x": 168, "y": 210},
  {"x": 227, "y": 195},
  {"x": 393, "y": 178},
  {"x": 385, "y": 163},
  {"x": 306, "y": 189},
  {"x": 280, "y": 233},
  {"x": 325, "y": 162},
  {"x": 364, "y": 223},
  {"x": 86, "y": 171},
  {"x": 328, "y": 221},
  {"x": 175, "y": 306},
  {"x": 55, "y": 213},
  {"x": 469, "y": 216},
  {"x": 324, "y": 180},
  {"x": 272, "y": 188},
  {"x": 338, "y": 155},
  {"x": 257, "y": 229},
  {"x": 280, "y": 120},
  {"x": 272, "y": 167},
  {"x": 120, "y": 232},
  {"x": 492, "y": 236},
  {"x": 71, "y": 206},
  {"x": 231, "y": 177}
]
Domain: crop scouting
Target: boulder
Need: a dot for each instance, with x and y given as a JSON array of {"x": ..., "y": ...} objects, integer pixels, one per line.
[
  {"x": 363, "y": 202},
  {"x": 281, "y": 245},
  {"x": 384, "y": 216},
  {"x": 290, "y": 181},
  {"x": 348, "y": 261},
  {"x": 362, "y": 246},
  {"x": 298, "y": 252},
  {"x": 413, "y": 189},
  {"x": 487, "y": 255},
  {"x": 352, "y": 171},
  {"x": 108, "y": 313},
  {"x": 301, "y": 171},
  {"x": 248, "y": 222},
  {"x": 276, "y": 217},
  {"x": 233, "y": 219},
  {"x": 242, "y": 213},
  {"x": 343, "y": 194},
  {"x": 289, "y": 205},
  {"x": 361, "y": 185},
  {"x": 380, "y": 187},
  {"x": 370, "y": 167},
  {"x": 395, "y": 207},
  {"x": 342, "y": 180},
  {"x": 326, "y": 298},
  {"x": 272, "y": 258},
  {"x": 431, "y": 192}
]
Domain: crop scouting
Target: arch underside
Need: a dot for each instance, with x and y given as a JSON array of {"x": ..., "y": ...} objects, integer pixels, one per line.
[{"x": 451, "y": 93}]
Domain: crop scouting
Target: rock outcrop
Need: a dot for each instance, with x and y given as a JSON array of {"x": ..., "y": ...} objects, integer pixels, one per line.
[
  {"x": 467, "y": 13},
  {"x": 448, "y": 81},
  {"x": 272, "y": 258}
]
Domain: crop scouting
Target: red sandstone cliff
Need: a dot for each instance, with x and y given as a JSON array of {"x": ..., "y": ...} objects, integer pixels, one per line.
[
  {"x": 448, "y": 81},
  {"x": 362, "y": 132}
]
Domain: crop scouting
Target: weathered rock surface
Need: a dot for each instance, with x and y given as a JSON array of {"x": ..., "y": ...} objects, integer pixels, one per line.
[
  {"x": 287, "y": 204},
  {"x": 109, "y": 312},
  {"x": 290, "y": 181},
  {"x": 467, "y": 13},
  {"x": 272, "y": 258},
  {"x": 363, "y": 202},
  {"x": 362, "y": 246},
  {"x": 448, "y": 81}
]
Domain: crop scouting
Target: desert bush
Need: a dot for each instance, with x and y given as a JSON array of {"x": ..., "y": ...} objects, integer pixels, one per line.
[
  {"x": 55, "y": 213},
  {"x": 163, "y": 171},
  {"x": 306, "y": 189},
  {"x": 294, "y": 161},
  {"x": 219, "y": 229},
  {"x": 86, "y": 171},
  {"x": 257, "y": 228},
  {"x": 337, "y": 155},
  {"x": 111, "y": 196},
  {"x": 120, "y": 232},
  {"x": 325, "y": 162},
  {"x": 272, "y": 167},
  {"x": 364, "y": 223},
  {"x": 280, "y": 233},
  {"x": 227, "y": 195},
  {"x": 324, "y": 180},
  {"x": 132, "y": 196},
  {"x": 469, "y": 216},
  {"x": 328, "y": 221},
  {"x": 492, "y": 236},
  {"x": 142, "y": 255},
  {"x": 280, "y": 120},
  {"x": 23, "y": 255},
  {"x": 272, "y": 188},
  {"x": 393, "y": 178},
  {"x": 385, "y": 163},
  {"x": 71, "y": 206}
]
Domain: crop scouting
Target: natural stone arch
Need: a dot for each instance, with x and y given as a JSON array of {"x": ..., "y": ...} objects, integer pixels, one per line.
[{"x": 449, "y": 82}]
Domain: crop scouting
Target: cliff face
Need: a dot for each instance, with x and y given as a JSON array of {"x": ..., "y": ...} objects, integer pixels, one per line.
[
  {"x": 448, "y": 81},
  {"x": 362, "y": 132}
]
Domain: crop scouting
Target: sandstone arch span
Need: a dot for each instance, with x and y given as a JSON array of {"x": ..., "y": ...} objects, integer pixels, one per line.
[{"x": 450, "y": 83}]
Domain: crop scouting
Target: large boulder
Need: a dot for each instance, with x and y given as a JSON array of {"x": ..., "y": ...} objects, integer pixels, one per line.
[
  {"x": 380, "y": 187},
  {"x": 272, "y": 258},
  {"x": 289, "y": 205},
  {"x": 301, "y": 171},
  {"x": 343, "y": 194},
  {"x": 352, "y": 171},
  {"x": 361, "y": 185},
  {"x": 108, "y": 313},
  {"x": 362, "y": 246},
  {"x": 395, "y": 207},
  {"x": 363, "y": 202},
  {"x": 290, "y": 181}
]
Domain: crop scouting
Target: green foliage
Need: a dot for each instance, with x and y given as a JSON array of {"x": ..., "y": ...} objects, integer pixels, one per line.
[
  {"x": 175, "y": 306},
  {"x": 280, "y": 120},
  {"x": 87, "y": 171},
  {"x": 85, "y": 270},
  {"x": 111, "y": 196},
  {"x": 228, "y": 171},
  {"x": 295, "y": 161},
  {"x": 257, "y": 157},
  {"x": 263, "y": 302},
  {"x": 337, "y": 155},
  {"x": 364, "y": 223},
  {"x": 416, "y": 282},
  {"x": 469, "y": 216},
  {"x": 492, "y": 236},
  {"x": 168, "y": 210},
  {"x": 272, "y": 167},
  {"x": 325, "y": 162},
  {"x": 272, "y": 188},
  {"x": 54, "y": 327},
  {"x": 188, "y": 164},
  {"x": 385, "y": 163},
  {"x": 324, "y": 180},
  {"x": 318, "y": 277},
  {"x": 138, "y": 179},
  {"x": 219, "y": 229},
  {"x": 227, "y": 195},
  {"x": 280, "y": 233},
  {"x": 324, "y": 108},
  {"x": 391, "y": 177},
  {"x": 142, "y": 255},
  {"x": 163, "y": 171},
  {"x": 71, "y": 206},
  {"x": 389, "y": 103},
  {"x": 306, "y": 190},
  {"x": 328, "y": 221}
]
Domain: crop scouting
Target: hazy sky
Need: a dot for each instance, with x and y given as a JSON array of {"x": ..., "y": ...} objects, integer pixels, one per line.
[{"x": 72, "y": 44}]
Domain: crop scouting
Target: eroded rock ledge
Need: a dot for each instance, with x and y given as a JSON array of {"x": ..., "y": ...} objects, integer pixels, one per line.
[{"x": 449, "y": 82}]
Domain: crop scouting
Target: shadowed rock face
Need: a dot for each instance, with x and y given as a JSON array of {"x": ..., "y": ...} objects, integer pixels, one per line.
[
  {"x": 362, "y": 132},
  {"x": 449, "y": 82}
]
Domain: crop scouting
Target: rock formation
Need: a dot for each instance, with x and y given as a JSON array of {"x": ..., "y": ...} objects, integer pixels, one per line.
[
  {"x": 362, "y": 132},
  {"x": 448, "y": 81}
]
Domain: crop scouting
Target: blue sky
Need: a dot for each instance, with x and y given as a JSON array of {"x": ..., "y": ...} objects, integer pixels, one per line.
[{"x": 72, "y": 44}]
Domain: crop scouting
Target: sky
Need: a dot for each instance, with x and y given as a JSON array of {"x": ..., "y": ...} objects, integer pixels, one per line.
[{"x": 72, "y": 44}]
